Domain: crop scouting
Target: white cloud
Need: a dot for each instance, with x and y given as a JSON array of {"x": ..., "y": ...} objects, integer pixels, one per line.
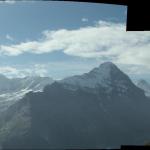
[
  {"x": 8, "y": 71},
  {"x": 14, "y": 1},
  {"x": 56, "y": 70},
  {"x": 22, "y": 71},
  {"x": 60, "y": 70},
  {"x": 84, "y": 19},
  {"x": 7, "y": 2},
  {"x": 105, "y": 40}
]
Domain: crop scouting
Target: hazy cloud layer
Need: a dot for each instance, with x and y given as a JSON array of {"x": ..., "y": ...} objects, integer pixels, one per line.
[
  {"x": 56, "y": 70},
  {"x": 60, "y": 70},
  {"x": 105, "y": 40},
  {"x": 7, "y": 2},
  {"x": 22, "y": 71}
]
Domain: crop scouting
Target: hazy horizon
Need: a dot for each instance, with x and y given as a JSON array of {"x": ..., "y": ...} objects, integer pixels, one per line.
[{"x": 133, "y": 78}]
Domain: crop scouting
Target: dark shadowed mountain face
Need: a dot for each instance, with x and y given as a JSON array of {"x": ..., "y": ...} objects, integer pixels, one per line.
[{"x": 107, "y": 112}]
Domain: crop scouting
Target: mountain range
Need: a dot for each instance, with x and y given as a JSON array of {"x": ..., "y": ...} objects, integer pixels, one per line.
[
  {"x": 99, "y": 109},
  {"x": 14, "y": 89}
]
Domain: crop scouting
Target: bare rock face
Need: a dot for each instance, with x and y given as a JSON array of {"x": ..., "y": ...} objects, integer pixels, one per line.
[{"x": 145, "y": 86}]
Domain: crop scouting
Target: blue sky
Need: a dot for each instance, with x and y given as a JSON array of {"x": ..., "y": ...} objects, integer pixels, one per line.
[
  {"x": 26, "y": 20},
  {"x": 60, "y": 39}
]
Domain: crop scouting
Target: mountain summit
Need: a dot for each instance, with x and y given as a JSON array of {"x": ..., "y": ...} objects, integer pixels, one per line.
[
  {"x": 105, "y": 77},
  {"x": 99, "y": 109},
  {"x": 107, "y": 65}
]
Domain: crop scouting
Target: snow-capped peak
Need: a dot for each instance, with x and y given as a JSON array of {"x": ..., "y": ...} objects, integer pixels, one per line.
[
  {"x": 106, "y": 75},
  {"x": 107, "y": 65},
  {"x": 14, "y": 89},
  {"x": 103, "y": 72}
]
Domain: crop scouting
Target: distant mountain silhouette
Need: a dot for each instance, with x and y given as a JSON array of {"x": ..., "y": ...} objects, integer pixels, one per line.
[{"x": 99, "y": 109}]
